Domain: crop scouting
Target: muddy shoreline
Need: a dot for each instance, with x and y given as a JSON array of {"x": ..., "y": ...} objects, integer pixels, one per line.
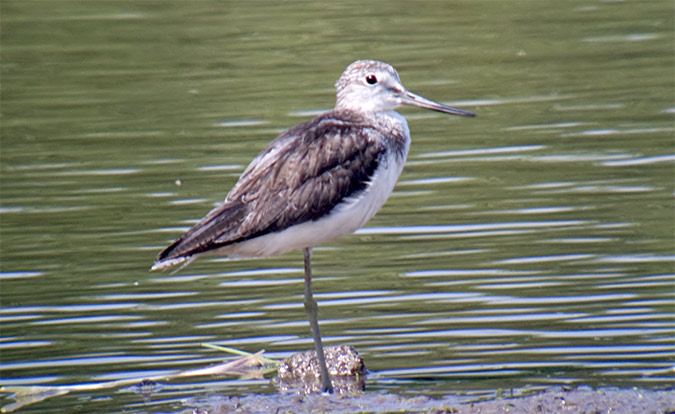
[{"x": 581, "y": 400}]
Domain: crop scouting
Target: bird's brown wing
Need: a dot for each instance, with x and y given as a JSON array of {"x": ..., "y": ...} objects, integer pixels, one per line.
[{"x": 300, "y": 176}]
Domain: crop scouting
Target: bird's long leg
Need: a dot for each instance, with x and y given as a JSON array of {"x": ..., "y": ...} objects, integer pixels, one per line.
[{"x": 312, "y": 312}]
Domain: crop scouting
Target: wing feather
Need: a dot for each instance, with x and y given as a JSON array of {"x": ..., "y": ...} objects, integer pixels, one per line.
[{"x": 300, "y": 176}]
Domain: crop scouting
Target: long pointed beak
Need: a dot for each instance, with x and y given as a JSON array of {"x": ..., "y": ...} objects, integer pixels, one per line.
[{"x": 409, "y": 98}]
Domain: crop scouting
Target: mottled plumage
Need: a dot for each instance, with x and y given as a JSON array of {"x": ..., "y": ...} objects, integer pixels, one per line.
[
  {"x": 318, "y": 180},
  {"x": 300, "y": 176}
]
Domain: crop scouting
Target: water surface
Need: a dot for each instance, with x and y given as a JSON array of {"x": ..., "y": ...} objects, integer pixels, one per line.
[{"x": 527, "y": 247}]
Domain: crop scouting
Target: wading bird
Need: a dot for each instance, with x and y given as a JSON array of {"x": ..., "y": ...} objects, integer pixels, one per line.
[{"x": 319, "y": 180}]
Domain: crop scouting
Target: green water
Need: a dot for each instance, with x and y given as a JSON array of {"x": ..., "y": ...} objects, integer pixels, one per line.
[{"x": 530, "y": 246}]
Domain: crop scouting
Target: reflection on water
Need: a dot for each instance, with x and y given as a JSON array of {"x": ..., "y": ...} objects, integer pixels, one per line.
[{"x": 530, "y": 246}]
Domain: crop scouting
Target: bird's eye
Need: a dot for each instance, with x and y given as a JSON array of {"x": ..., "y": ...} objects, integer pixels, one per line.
[{"x": 371, "y": 79}]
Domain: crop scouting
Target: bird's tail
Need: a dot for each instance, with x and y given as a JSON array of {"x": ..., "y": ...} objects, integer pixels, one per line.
[{"x": 174, "y": 261}]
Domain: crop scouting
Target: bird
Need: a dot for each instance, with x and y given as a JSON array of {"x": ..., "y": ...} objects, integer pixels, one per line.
[{"x": 316, "y": 181}]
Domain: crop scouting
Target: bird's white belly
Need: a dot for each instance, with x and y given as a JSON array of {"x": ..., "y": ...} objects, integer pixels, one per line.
[{"x": 345, "y": 218}]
